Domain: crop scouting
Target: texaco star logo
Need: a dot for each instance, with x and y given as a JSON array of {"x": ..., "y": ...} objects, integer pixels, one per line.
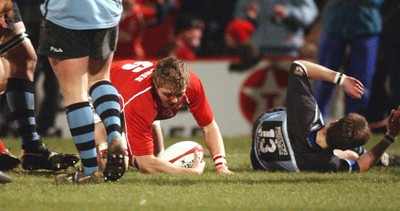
[{"x": 263, "y": 89}]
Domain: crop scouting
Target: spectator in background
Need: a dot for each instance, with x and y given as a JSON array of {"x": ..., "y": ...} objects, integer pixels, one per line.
[
  {"x": 153, "y": 43},
  {"x": 237, "y": 37},
  {"x": 187, "y": 37},
  {"x": 354, "y": 26},
  {"x": 280, "y": 24},
  {"x": 387, "y": 69},
  {"x": 310, "y": 47},
  {"x": 136, "y": 17},
  {"x": 216, "y": 16},
  {"x": 238, "y": 32}
]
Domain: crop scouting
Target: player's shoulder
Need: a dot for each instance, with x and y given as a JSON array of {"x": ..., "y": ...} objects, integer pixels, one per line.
[
  {"x": 194, "y": 81},
  {"x": 120, "y": 63},
  {"x": 194, "y": 76}
]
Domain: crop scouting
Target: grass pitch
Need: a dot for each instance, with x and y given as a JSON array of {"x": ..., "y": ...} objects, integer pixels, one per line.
[{"x": 378, "y": 189}]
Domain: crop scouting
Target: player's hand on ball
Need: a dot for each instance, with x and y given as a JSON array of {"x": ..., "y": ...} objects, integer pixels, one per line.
[
  {"x": 353, "y": 87},
  {"x": 223, "y": 170},
  {"x": 198, "y": 164}
]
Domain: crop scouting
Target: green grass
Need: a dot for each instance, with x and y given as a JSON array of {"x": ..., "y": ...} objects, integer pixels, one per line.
[{"x": 378, "y": 189}]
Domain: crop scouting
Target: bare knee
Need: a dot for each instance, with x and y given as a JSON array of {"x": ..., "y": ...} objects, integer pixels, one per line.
[{"x": 22, "y": 60}]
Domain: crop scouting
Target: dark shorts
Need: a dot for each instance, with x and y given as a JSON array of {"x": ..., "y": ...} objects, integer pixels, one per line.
[{"x": 62, "y": 43}]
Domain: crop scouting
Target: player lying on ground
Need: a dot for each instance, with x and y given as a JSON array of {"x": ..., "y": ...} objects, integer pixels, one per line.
[
  {"x": 152, "y": 91},
  {"x": 17, "y": 63},
  {"x": 295, "y": 138}
]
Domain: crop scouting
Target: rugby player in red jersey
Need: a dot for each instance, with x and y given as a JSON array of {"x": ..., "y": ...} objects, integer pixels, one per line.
[{"x": 152, "y": 91}]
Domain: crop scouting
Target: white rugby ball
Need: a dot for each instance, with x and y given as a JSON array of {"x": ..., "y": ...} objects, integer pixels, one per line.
[{"x": 181, "y": 153}]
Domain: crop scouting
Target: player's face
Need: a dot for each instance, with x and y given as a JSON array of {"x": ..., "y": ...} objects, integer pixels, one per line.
[
  {"x": 169, "y": 97},
  {"x": 193, "y": 37}
]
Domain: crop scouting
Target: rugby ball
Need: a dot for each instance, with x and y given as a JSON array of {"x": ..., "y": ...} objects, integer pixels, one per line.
[{"x": 181, "y": 153}]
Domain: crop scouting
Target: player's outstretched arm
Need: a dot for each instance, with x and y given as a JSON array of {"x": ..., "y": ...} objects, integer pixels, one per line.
[
  {"x": 369, "y": 159},
  {"x": 215, "y": 145},
  {"x": 151, "y": 164},
  {"x": 353, "y": 87}
]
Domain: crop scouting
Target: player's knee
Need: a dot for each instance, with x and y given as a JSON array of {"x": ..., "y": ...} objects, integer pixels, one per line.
[{"x": 20, "y": 53}]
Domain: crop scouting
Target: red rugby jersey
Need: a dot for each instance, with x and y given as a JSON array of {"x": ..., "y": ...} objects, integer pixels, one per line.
[{"x": 141, "y": 105}]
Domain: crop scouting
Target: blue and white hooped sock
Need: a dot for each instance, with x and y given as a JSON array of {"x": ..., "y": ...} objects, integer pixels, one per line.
[
  {"x": 81, "y": 124},
  {"x": 21, "y": 100},
  {"x": 106, "y": 103}
]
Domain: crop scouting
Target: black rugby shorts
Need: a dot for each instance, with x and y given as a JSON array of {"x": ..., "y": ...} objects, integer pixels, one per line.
[{"x": 62, "y": 43}]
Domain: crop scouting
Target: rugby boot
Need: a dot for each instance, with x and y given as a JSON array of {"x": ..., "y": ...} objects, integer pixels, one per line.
[
  {"x": 8, "y": 161},
  {"x": 44, "y": 158},
  {"x": 115, "y": 167},
  {"x": 79, "y": 177}
]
